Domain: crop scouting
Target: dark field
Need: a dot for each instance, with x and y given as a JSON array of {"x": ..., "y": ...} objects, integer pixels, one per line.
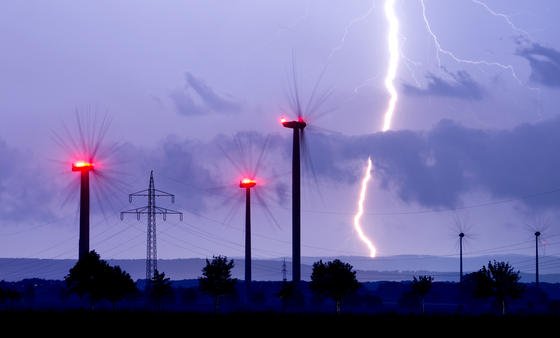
[{"x": 265, "y": 324}]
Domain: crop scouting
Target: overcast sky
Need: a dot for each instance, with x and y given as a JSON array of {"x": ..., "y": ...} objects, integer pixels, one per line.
[{"x": 192, "y": 87}]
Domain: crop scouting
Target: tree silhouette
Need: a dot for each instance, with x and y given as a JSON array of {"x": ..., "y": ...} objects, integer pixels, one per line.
[
  {"x": 216, "y": 278},
  {"x": 479, "y": 283},
  {"x": 290, "y": 294},
  {"x": 95, "y": 278},
  {"x": 160, "y": 288},
  {"x": 117, "y": 284},
  {"x": 9, "y": 295},
  {"x": 421, "y": 286},
  {"x": 498, "y": 280},
  {"x": 334, "y": 279},
  {"x": 506, "y": 282}
]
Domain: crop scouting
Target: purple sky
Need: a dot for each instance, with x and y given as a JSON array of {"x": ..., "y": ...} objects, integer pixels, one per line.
[{"x": 182, "y": 79}]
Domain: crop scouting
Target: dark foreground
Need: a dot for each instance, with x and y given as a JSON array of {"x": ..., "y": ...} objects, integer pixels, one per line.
[{"x": 65, "y": 323}]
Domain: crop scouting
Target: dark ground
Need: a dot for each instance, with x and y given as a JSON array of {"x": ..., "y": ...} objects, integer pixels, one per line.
[
  {"x": 109, "y": 323},
  {"x": 374, "y": 298}
]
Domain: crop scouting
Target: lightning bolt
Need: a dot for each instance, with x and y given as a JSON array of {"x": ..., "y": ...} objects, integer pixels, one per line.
[
  {"x": 503, "y": 16},
  {"x": 394, "y": 56},
  {"x": 360, "y": 212},
  {"x": 347, "y": 30},
  {"x": 441, "y": 50},
  {"x": 393, "y": 45}
]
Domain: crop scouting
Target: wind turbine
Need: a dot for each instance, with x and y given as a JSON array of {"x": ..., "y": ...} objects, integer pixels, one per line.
[
  {"x": 460, "y": 228},
  {"x": 241, "y": 159},
  {"x": 91, "y": 156},
  {"x": 539, "y": 225},
  {"x": 298, "y": 126}
]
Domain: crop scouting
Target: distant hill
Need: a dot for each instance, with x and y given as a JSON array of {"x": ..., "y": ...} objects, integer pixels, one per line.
[{"x": 390, "y": 268}]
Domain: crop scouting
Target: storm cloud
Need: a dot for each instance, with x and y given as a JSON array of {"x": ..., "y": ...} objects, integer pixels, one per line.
[
  {"x": 435, "y": 168},
  {"x": 544, "y": 62},
  {"x": 198, "y": 98},
  {"x": 26, "y": 190},
  {"x": 461, "y": 86}
]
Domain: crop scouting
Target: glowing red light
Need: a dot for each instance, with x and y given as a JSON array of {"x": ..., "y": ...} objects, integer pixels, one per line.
[
  {"x": 300, "y": 119},
  {"x": 283, "y": 120},
  {"x": 82, "y": 166},
  {"x": 247, "y": 183}
]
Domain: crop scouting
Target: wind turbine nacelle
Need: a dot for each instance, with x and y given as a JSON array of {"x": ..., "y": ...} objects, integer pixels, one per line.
[
  {"x": 247, "y": 183},
  {"x": 297, "y": 124},
  {"x": 82, "y": 166}
]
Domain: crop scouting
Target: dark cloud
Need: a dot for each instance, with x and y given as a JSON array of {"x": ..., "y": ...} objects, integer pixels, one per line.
[
  {"x": 437, "y": 167},
  {"x": 544, "y": 62},
  {"x": 203, "y": 174},
  {"x": 216, "y": 102},
  {"x": 25, "y": 189},
  {"x": 177, "y": 169},
  {"x": 460, "y": 86},
  {"x": 434, "y": 168},
  {"x": 185, "y": 105},
  {"x": 198, "y": 98}
]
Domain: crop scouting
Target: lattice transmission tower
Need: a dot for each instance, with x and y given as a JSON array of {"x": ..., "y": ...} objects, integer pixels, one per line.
[{"x": 151, "y": 210}]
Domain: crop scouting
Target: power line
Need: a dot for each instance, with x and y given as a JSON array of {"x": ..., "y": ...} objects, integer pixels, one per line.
[{"x": 433, "y": 211}]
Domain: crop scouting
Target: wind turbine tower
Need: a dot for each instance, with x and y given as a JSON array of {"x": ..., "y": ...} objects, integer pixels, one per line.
[
  {"x": 84, "y": 167},
  {"x": 298, "y": 126},
  {"x": 537, "y": 234},
  {"x": 247, "y": 184},
  {"x": 461, "y": 235}
]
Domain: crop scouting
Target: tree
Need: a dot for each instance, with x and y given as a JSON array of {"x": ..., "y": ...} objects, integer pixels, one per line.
[
  {"x": 334, "y": 279},
  {"x": 95, "y": 278},
  {"x": 216, "y": 278},
  {"x": 117, "y": 284},
  {"x": 497, "y": 280},
  {"x": 506, "y": 282},
  {"x": 160, "y": 288},
  {"x": 479, "y": 283},
  {"x": 10, "y": 295},
  {"x": 290, "y": 294},
  {"x": 421, "y": 286}
]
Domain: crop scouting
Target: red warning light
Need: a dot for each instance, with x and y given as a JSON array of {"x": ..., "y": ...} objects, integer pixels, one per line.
[
  {"x": 82, "y": 166},
  {"x": 247, "y": 183},
  {"x": 295, "y": 124}
]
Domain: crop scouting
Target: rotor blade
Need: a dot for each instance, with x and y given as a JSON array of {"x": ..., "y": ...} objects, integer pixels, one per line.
[
  {"x": 261, "y": 156},
  {"x": 101, "y": 134},
  {"x": 278, "y": 197},
  {"x": 81, "y": 133},
  {"x": 318, "y": 129},
  {"x": 267, "y": 210},
  {"x": 308, "y": 164},
  {"x": 97, "y": 196},
  {"x": 72, "y": 187},
  {"x": 235, "y": 164},
  {"x": 60, "y": 141},
  {"x": 295, "y": 87},
  {"x": 231, "y": 214},
  {"x": 241, "y": 152},
  {"x": 232, "y": 197},
  {"x": 72, "y": 139},
  {"x": 314, "y": 110},
  {"x": 315, "y": 88}
]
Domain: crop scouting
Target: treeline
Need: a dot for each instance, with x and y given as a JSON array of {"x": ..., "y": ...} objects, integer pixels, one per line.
[{"x": 93, "y": 284}]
